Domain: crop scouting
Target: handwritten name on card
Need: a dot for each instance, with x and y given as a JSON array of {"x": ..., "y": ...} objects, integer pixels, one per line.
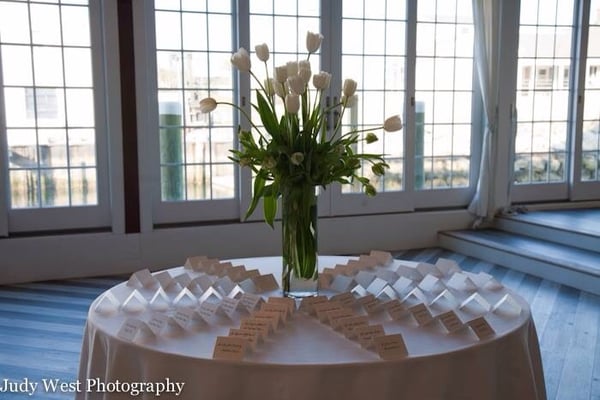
[
  {"x": 395, "y": 309},
  {"x": 335, "y": 316},
  {"x": 421, "y": 314},
  {"x": 265, "y": 283},
  {"x": 481, "y": 328},
  {"x": 349, "y": 324},
  {"x": 450, "y": 321},
  {"x": 129, "y": 329},
  {"x": 366, "y": 334},
  {"x": 261, "y": 327},
  {"x": 390, "y": 347},
  {"x": 251, "y": 301},
  {"x": 270, "y": 316},
  {"x": 229, "y": 348},
  {"x": 289, "y": 302},
  {"x": 229, "y": 307},
  {"x": 347, "y": 299},
  {"x": 308, "y": 303},
  {"x": 321, "y": 309},
  {"x": 251, "y": 337},
  {"x": 281, "y": 309},
  {"x": 157, "y": 323},
  {"x": 183, "y": 316}
]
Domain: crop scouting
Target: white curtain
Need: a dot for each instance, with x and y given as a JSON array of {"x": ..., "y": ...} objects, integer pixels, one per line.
[{"x": 486, "y": 19}]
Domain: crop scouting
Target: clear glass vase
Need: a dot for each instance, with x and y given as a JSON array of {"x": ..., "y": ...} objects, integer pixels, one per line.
[{"x": 299, "y": 215}]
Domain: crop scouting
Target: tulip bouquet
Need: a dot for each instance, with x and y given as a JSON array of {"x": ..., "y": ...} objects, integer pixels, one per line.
[{"x": 293, "y": 153}]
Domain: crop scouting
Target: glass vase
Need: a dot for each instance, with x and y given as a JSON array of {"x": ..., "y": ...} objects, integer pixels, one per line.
[{"x": 299, "y": 239}]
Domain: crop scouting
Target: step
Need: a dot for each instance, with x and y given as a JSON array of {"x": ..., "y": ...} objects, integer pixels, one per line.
[
  {"x": 563, "y": 264},
  {"x": 571, "y": 229}
]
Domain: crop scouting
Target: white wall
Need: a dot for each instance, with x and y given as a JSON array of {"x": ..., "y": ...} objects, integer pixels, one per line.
[{"x": 79, "y": 255}]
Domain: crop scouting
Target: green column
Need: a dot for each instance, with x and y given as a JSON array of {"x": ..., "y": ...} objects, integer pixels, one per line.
[
  {"x": 171, "y": 151},
  {"x": 419, "y": 144}
]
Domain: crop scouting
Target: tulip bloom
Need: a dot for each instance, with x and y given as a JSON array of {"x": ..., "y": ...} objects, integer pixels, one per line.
[
  {"x": 321, "y": 80},
  {"x": 207, "y": 105},
  {"x": 349, "y": 87},
  {"x": 241, "y": 60},
  {"x": 281, "y": 73},
  {"x": 296, "y": 84},
  {"x": 292, "y": 103},
  {"x": 392, "y": 124},
  {"x": 292, "y": 68},
  {"x": 313, "y": 41},
  {"x": 304, "y": 71},
  {"x": 371, "y": 138},
  {"x": 297, "y": 158},
  {"x": 262, "y": 52}
]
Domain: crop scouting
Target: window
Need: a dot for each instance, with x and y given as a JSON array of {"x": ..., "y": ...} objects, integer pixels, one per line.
[{"x": 52, "y": 117}]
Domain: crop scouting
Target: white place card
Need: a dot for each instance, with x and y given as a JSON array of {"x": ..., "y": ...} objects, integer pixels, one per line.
[
  {"x": 342, "y": 283},
  {"x": 321, "y": 309},
  {"x": 251, "y": 337},
  {"x": 364, "y": 278},
  {"x": 203, "y": 282},
  {"x": 481, "y": 328},
  {"x": 229, "y": 306},
  {"x": 265, "y": 283},
  {"x": 134, "y": 303},
  {"x": 493, "y": 285},
  {"x": 366, "y": 334},
  {"x": 224, "y": 285},
  {"x": 395, "y": 309},
  {"x": 409, "y": 271},
  {"x": 462, "y": 282},
  {"x": 251, "y": 301},
  {"x": 207, "y": 311},
  {"x": 279, "y": 308},
  {"x": 445, "y": 300},
  {"x": 247, "y": 285},
  {"x": 447, "y": 266},
  {"x": 230, "y": 348},
  {"x": 421, "y": 314},
  {"x": 415, "y": 296},
  {"x": 383, "y": 258},
  {"x": 157, "y": 323},
  {"x": 160, "y": 300},
  {"x": 376, "y": 286},
  {"x": 183, "y": 316},
  {"x": 349, "y": 324},
  {"x": 389, "y": 276},
  {"x": 129, "y": 329},
  {"x": 507, "y": 305},
  {"x": 475, "y": 303},
  {"x": 108, "y": 304},
  {"x": 431, "y": 284},
  {"x": 142, "y": 279},
  {"x": 428, "y": 269},
  {"x": 211, "y": 294},
  {"x": 164, "y": 279},
  {"x": 451, "y": 321},
  {"x": 185, "y": 298},
  {"x": 359, "y": 291},
  {"x": 480, "y": 279},
  {"x": 347, "y": 299},
  {"x": 403, "y": 286},
  {"x": 260, "y": 327},
  {"x": 183, "y": 279},
  {"x": 390, "y": 347}
]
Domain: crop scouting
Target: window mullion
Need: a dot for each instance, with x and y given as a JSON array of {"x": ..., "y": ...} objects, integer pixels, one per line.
[
  {"x": 410, "y": 117},
  {"x": 4, "y": 188}
]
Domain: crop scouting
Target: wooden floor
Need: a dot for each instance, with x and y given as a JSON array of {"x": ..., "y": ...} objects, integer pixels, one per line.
[{"x": 41, "y": 326}]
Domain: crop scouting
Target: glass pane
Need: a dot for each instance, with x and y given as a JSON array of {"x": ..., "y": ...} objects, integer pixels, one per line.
[
  {"x": 78, "y": 67},
  {"x": 54, "y": 187},
  {"x": 83, "y": 187},
  {"x": 53, "y": 147},
  {"x": 195, "y": 31},
  {"x": 75, "y": 26},
  {"x": 45, "y": 24},
  {"x": 14, "y": 22},
  {"x": 168, "y": 30},
  {"x": 48, "y": 66},
  {"x": 47, "y": 106},
  {"x": 16, "y": 65},
  {"x": 82, "y": 147},
  {"x": 222, "y": 181},
  {"x": 24, "y": 188},
  {"x": 169, "y": 69},
  {"x": 80, "y": 104}
]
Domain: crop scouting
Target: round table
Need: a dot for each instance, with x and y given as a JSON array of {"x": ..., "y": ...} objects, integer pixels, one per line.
[{"x": 307, "y": 359}]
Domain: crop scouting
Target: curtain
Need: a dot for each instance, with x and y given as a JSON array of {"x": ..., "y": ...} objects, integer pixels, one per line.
[{"x": 486, "y": 19}]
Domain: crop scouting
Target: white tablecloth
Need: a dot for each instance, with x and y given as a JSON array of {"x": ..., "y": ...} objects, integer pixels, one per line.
[{"x": 308, "y": 360}]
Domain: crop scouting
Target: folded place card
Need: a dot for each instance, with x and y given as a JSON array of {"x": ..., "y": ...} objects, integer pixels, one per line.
[
  {"x": 383, "y": 258},
  {"x": 324, "y": 280},
  {"x": 342, "y": 283},
  {"x": 447, "y": 266},
  {"x": 507, "y": 305},
  {"x": 185, "y": 298},
  {"x": 481, "y": 328},
  {"x": 183, "y": 316},
  {"x": 164, "y": 279},
  {"x": 251, "y": 337},
  {"x": 347, "y": 299},
  {"x": 368, "y": 261},
  {"x": 364, "y": 278},
  {"x": 475, "y": 303},
  {"x": 359, "y": 291},
  {"x": 427, "y": 268},
  {"x": 265, "y": 283},
  {"x": 409, "y": 271},
  {"x": 279, "y": 308},
  {"x": 307, "y": 304},
  {"x": 415, "y": 296},
  {"x": 207, "y": 311},
  {"x": 334, "y": 317},
  {"x": 203, "y": 283},
  {"x": 194, "y": 262},
  {"x": 431, "y": 284},
  {"x": 230, "y": 348},
  {"x": 389, "y": 276},
  {"x": 251, "y": 273},
  {"x": 211, "y": 294},
  {"x": 403, "y": 286},
  {"x": 366, "y": 334},
  {"x": 217, "y": 269},
  {"x": 450, "y": 321},
  {"x": 160, "y": 301},
  {"x": 142, "y": 279},
  {"x": 421, "y": 314},
  {"x": 273, "y": 317},
  {"x": 251, "y": 301},
  {"x": 236, "y": 273},
  {"x": 134, "y": 303},
  {"x": 377, "y": 286},
  {"x": 130, "y": 329},
  {"x": 229, "y": 307},
  {"x": 349, "y": 324},
  {"x": 183, "y": 279},
  {"x": 157, "y": 323},
  {"x": 224, "y": 285},
  {"x": 261, "y": 327},
  {"x": 444, "y": 300},
  {"x": 480, "y": 279},
  {"x": 321, "y": 309},
  {"x": 342, "y": 269},
  {"x": 287, "y": 301},
  {"x": 390, "y": 347},
  {"x": 395, "y": 309},
  {"x": 462, "y": 282},
  {"x": 108, "y": 304},
  {"x": 247, "y": 285}
]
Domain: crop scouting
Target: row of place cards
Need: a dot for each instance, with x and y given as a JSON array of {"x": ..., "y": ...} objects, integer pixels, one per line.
[{"x": 254, "y": 329}]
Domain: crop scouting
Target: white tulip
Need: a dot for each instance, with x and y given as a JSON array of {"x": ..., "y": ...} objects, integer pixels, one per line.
[
  {"x": 349, "y": 87},
  {"x": 297, "y": 158},
  {"x": 207, "y": 105},
  {"x": 281, "y": 73},
  {"x": 304, "y": 71},
  {"x": 292, "y": 103},
  {"x": 393, "y": 124},
  {"x": 292, "y": 68},
  {"x": 262, "y": 51},
  {"x": 313, "y": 41},
  {"x": 321, "y": 80},
  {"x": 241, "y": 60},
  {"x": 296, "y": 84}
]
